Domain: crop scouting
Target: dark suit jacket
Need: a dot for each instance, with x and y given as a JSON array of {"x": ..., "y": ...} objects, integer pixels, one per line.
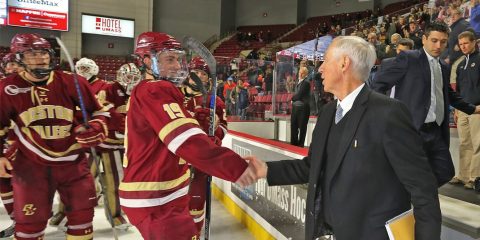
[
  {"x": 302, "y": 92},
  {"x": 380, "y": 169},
  {"x": 410, "y": 74}
]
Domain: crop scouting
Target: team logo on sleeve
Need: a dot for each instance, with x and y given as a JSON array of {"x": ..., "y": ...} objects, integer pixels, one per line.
[{"x": 14, "y": 90}]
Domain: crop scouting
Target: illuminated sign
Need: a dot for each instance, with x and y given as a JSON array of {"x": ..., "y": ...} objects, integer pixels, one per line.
[
  {"x": 108, "y": 26},
  {"x": 44, "y": 14}
]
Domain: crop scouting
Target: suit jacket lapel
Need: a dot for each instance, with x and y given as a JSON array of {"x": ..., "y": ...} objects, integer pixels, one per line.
[
  {"x": 355, "y": 113},
  {"x": 425, "y": 66}
]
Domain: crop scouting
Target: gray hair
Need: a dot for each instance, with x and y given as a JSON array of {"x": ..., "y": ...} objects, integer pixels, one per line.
[{"x": 361, "y": 53}]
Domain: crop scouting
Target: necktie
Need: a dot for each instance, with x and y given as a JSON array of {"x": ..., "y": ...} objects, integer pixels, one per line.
[
  {"x": 437, "y": 75},
  {"x": 338, "y": 114}
]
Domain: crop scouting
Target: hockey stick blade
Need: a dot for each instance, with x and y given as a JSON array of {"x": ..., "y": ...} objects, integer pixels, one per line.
[{"x": 196, "y": 46}]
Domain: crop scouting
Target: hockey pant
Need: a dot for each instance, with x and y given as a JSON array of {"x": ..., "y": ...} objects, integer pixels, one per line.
[
  {"x": 6, "y": 193},
  {"x": 112, "y": 173},
  {"x": 35, "y": 185},
  {"x": 169, "y": 221},
  {"x": 197, "y": 193}
]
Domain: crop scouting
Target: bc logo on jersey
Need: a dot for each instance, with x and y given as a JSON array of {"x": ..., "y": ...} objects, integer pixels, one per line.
[{"x": 29, "y": 209}]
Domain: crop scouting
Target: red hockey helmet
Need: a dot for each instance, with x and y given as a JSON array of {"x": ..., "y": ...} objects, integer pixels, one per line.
[
  {"x": 156, "y": 42},
  {"x": 197, "y": 63},
  {"x": 9, "y": 57},
  {"x": 168, "y": 57},
  {"x": 28, "y": 41},
  {"x": 24, "y": 45}
]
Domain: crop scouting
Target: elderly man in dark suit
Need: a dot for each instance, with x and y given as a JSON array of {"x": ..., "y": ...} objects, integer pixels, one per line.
[
  {"x": 365, "y": 164},
  {"x": 422, "y": 82}
]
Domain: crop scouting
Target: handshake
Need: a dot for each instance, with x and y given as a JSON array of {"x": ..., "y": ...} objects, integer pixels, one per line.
[{"x": 256, "y": 169}]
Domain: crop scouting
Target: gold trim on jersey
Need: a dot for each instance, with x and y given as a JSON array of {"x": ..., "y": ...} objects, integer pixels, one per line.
[
  {"x": 182, "y": 161},
  {"x": 24, "y": 77},
  {"x": 46, "y": 111},
  {"x": 83, "y": 237},
  {"x": 114, "y": 141},
  {"x": 122, "y": 109},
  {"x": 8, "y": 194},
  {"x": 154, "y": 186},
  {"x": 28, "y": 134},
  {"x": 3, "y": 131},
  {"x": 167, "y": 129},
  {"x": 196, "y": 212}
]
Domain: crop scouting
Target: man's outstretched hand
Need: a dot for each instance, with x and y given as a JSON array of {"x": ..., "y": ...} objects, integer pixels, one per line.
[{"x": 256, "y": 169}]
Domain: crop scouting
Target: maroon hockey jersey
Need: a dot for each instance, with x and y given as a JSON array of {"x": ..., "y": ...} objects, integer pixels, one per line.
[
  {"x": 44, "y": 116},
  {"x": 161, "y": 137},
  {"x": 112, "y": 96}
]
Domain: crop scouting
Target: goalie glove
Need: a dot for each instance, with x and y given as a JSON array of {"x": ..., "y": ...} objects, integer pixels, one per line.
[{"x": 93, "y": 135}]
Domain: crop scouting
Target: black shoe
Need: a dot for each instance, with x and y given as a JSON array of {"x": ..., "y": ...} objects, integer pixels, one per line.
[
  {"x": 476, "y": 184},
  {"x": 8, "y": 232}
]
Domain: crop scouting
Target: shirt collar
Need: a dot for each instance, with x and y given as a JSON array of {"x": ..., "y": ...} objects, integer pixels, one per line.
[
  {"x": 347, "y": 102},
  {"x": 430, "y": 58}
]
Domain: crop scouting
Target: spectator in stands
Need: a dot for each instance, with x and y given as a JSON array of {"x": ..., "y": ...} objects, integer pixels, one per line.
[
  {"x": 391, "y": 28},
  {"x": 475, "y": 16},
  {"x": 290, "y": 82},
  {"x": 459, "y": 25},
  {"x": 468, "y": 126},
  {"x": 300, "y": 109},
  {"x": 240, "y": 94},
  {"x": 227, "y": 91},
  {"x": 220, "y": 85},
  {"x": 415, "y": 33},
  {"x": 402, "y": 22},
  {"x": 269, "y": 79},
  {"x": 379, "y": 47},
  {"x": 382, "y": 36},
  {"x": 391, "y": 49}
]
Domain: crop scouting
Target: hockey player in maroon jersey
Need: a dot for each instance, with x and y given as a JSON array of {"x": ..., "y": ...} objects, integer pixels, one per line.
[
  {"x": 50, "y": 157},
  {"x": 161, "y": 137},
  {"x": 197, "y": 104},
  {"x": 111, "y": 96},
  {"x": 10, "y": 65}
]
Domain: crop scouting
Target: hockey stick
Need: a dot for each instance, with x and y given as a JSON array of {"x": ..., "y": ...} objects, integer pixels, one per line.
[
  {"x": 196, "y": 46},
  {"x": 96, "y": 159}
]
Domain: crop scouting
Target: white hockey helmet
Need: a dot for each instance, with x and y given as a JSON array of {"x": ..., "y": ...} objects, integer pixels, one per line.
[
  {"x": 86, "y": 68},
  {"x": 128, "y": 75}
]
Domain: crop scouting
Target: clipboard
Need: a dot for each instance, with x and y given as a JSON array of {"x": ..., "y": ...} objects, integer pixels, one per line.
[{"x": 401, "y": 227}]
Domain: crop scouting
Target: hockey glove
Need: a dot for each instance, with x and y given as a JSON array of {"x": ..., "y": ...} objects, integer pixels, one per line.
[
  {"x": 202, "y": 115},
  {"x": 93, "y": 135},
  {"x": 216, "y": 140},
  {"x": 11, "y": 151}
]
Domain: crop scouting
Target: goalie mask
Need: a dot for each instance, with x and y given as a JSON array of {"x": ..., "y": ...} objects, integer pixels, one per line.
[
  {"x": 87, "y": 68},
  {"x": 168, "y": 61},
  {"x": 128, "y": 76},
  {"x": 34, "y": 53}
]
